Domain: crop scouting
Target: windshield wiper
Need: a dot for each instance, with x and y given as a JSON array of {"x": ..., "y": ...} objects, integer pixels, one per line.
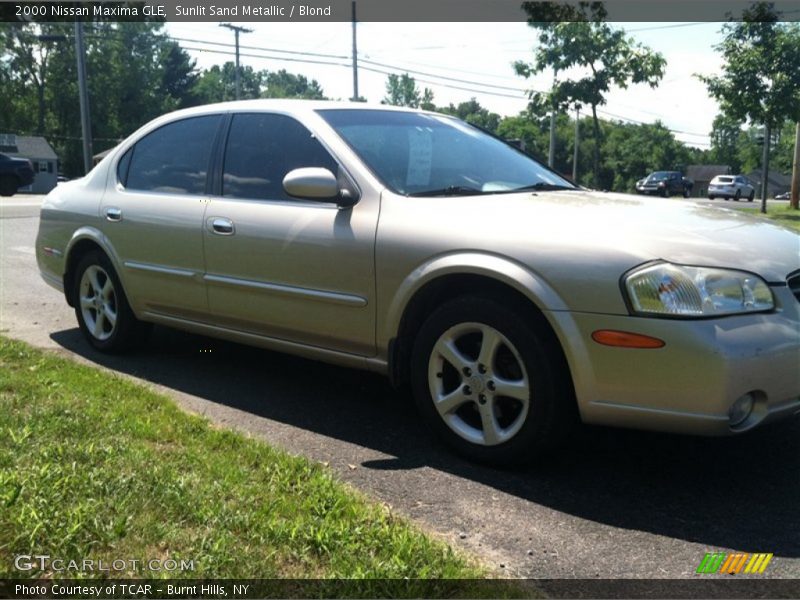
[
  {"x": 542, "y": 187},
  {"x": 452, "y": 190}
]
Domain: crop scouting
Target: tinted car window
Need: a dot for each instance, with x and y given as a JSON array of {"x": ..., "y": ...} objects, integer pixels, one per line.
[
  {"x": 122, "y": 166},
  {"x": 175, "y": 157},
  {"x": 262, "y": 149}
]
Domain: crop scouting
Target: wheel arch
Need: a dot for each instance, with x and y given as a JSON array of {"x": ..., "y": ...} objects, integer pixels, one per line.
[
  {"x": 452, "y": 276},
  {"x": 83, "y": 241}
]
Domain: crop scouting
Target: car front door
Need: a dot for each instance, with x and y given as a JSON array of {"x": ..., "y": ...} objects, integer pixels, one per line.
[
  {"x": 282, "y": 267},
  {"x": 153, "y": 217}
]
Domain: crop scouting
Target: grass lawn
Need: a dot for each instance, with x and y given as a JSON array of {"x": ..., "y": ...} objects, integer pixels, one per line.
[
  {"x": 783, "y": 214},
  {"x": 95, "y": 466}
]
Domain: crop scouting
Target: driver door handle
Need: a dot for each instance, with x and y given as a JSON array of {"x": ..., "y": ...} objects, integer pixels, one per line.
[
  {"x": 221, "y": 226},
  {"x": 113, "y": 214}
]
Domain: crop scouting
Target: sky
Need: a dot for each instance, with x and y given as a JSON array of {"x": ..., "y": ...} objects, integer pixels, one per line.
[{"x": 478, "y": 56}]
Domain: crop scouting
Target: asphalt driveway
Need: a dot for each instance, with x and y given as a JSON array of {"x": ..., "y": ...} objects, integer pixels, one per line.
[{"x": 614, "y": 504}]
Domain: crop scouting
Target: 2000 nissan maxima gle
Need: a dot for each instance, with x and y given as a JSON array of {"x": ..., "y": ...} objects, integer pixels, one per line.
[{"x": 416, "y": 245}]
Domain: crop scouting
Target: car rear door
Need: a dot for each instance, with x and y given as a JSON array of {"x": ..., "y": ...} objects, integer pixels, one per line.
[
  {"x": 282, "y": 267},
  {"x": 153, "y": 216}
]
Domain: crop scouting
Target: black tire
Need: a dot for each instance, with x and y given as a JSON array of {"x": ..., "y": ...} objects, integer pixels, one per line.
[
  {"x": 711, "y": 197},
  {"x": 727, "y": 198},
  {"x": 127, "y": 331},
  {"x": 751, "y": 196},
  {"x": 8, "y": 185},
  {"x": 665, "y": 193},
  {"x": 687, "y": 192},
  {"x": 551, "y": 409},
  {"x": 737, "y": 196}
]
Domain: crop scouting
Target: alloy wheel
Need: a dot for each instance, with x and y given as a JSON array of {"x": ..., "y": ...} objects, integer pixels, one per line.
[
  {"x": 479, "y": 384},
  {"x": 98, "y": 302}
]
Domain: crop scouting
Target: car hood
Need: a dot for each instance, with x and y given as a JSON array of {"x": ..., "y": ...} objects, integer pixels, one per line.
[
  {"x": 682, "y": 232},
  {"x": 620, "y": 231}
]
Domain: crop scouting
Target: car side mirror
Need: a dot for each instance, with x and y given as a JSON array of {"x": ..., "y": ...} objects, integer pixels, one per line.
[{"x": 315, "y": 183}]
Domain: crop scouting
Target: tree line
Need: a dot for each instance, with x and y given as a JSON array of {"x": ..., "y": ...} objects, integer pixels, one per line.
[{"x": 137, "y": 73}]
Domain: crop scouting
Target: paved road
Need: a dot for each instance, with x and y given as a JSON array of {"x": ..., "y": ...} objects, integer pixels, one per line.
[{"x": 616, "y": 504}]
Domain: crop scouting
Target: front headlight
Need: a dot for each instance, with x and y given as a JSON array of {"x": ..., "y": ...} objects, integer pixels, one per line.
[{"x": 673, "y": 290}]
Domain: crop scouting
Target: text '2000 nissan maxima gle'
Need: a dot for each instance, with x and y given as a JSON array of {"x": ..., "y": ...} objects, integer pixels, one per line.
[{"x": 411, "y": 243}]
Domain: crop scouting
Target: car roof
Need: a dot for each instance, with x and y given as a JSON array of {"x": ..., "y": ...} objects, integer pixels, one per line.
[{"x": 296, "y": 106}]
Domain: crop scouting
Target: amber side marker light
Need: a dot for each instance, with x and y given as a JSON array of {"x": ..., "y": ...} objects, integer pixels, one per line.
[{"x": 626, "y": 339}]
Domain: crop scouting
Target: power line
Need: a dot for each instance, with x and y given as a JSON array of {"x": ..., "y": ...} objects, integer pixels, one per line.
[
  {"x": 490, "y": 85},
  {"x": 381, "y": 68},
  {"x": 260, "y": 48},
  {"x": 674, "y": 26}
]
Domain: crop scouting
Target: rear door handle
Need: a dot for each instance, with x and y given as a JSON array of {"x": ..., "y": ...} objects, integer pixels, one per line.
[
  {"x": 113, "y": 214},
  {"x": 221, "y": 226}
]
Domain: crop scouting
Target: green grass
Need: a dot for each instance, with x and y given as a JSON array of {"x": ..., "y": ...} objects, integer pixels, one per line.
[
  {"x": 95, "y": 466},
  {"x": 784, "y": 215}
]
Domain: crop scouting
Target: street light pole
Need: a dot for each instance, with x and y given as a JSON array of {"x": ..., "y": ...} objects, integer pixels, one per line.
[
  {"x": 83, "y": 93},
  {"x": 551, "y": 155},
  {"x": 355, "y": 57},
  {"x": 237, "y": 30},
  {"x": 575, "y": 155}
]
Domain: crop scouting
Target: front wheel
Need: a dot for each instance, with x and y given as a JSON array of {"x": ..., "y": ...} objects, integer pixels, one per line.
[
  {"x": 485, "y": 379},
  {"x": 751, "y": 196},
  {"x": 737, "y": 196},
  {"x": 104, "y": 315}
]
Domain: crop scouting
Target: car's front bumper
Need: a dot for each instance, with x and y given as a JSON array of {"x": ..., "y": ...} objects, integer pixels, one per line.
[
  {"x": 650, "y": 189},
  {"x": 690, "y": 384}
]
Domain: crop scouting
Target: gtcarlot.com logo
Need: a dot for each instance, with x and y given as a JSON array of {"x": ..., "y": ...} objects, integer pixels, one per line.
[
  {"x": 44, "y": 562},
  {"x": 734, "y": 563}
]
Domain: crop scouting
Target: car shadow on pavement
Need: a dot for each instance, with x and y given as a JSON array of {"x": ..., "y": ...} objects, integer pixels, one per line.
[{"x": 740, "y": 493}]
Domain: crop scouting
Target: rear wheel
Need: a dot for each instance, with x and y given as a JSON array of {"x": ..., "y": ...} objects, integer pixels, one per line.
[
  {"x": 8, "y": 185},
  {"x": 486, "y": 381},
  {"x": 751, "y": 196},
  {"x": 104, "y": 315},
  {"x": 737, "y": 196}
]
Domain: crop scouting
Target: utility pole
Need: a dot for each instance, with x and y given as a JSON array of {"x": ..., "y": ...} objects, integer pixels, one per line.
[
  {"x": 551, "y": 155},
  {"x": 577, "y": 135},
  {"x": 765, "y": 167},
  {"x": 355, "y": 56},
  {"x": 237, "y": 30},
  {"x": 795, "y": 198},
  {"x": 83, "y": 93}
]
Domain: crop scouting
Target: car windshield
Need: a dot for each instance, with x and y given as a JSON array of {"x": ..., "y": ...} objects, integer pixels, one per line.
[
  {"x": 659, "y": 176},
  {"x": 432, "y": 155}
]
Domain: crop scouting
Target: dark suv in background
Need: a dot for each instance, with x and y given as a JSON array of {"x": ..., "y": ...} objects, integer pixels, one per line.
[
  {"x": 14, "y": 174},
  {"x": 665, "y": 183}
]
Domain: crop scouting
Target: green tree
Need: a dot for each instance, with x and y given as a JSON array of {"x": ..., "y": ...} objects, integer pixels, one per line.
[
  {"x": 727, "y": 141},
  {"x": 282, "y": 84},
  {"x": 218, "y": 84},
  {"x": 27, "y": 49},
  {"x": 178, "y": 77},
  {"x": 760, "y": 77},
  {"x": 472, "y": 112},
  {"x": 604, "y": 53},
  {"x": 401, "y": 90},
  {"x": 632, "y": 151}
]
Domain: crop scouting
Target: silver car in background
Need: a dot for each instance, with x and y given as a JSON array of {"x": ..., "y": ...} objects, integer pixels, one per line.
[
  {"x": 731, "y": 187},
  {"x": 512, "y": 303}
]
